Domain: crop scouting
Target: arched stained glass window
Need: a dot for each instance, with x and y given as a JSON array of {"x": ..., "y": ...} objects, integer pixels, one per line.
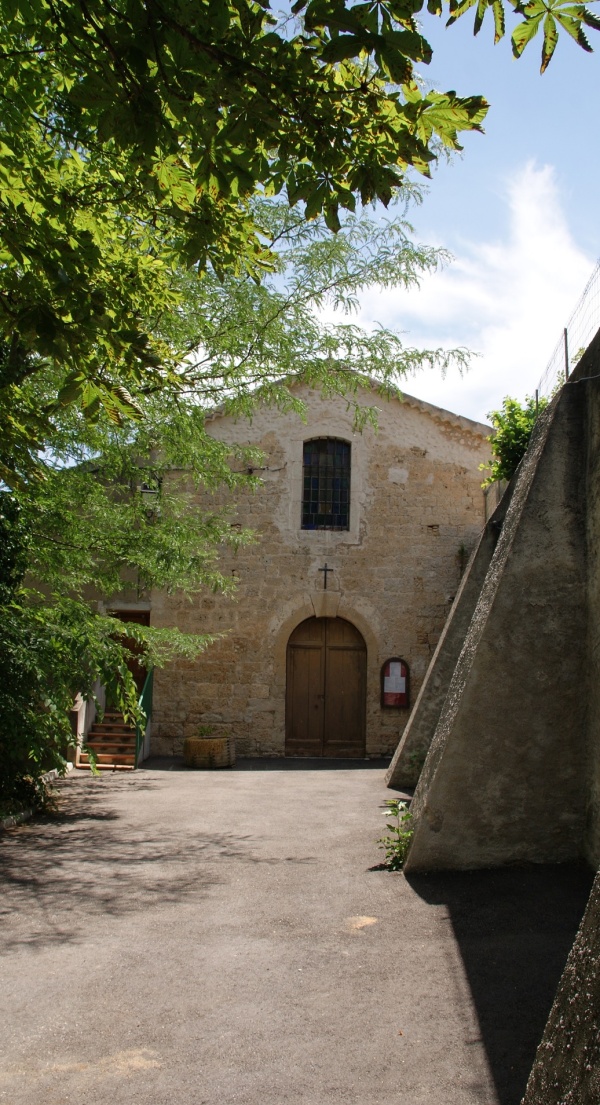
[{"x": 326, "y": 484}]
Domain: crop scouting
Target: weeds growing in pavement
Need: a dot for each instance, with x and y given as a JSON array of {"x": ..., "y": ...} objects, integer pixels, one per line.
[{"x": 396, "y": 843}]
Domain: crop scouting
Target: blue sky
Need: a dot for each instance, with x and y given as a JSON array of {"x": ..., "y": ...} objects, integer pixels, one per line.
[{"x": 518, "y": 210}]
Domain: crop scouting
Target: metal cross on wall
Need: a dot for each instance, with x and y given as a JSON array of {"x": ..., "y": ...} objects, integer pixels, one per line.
[{"x": 325, "y": 570}]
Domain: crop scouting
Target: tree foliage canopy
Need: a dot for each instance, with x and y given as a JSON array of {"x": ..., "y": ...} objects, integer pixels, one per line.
[{"x": 134, "y": 135}]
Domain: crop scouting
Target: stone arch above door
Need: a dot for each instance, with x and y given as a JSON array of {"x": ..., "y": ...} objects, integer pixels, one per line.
[{"x": 326, "y": 690}]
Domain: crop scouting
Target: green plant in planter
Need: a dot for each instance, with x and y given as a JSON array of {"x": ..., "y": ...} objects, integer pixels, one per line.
[
  {"x": 397, "y": 842},
  {"x": 208, "y": 749}
]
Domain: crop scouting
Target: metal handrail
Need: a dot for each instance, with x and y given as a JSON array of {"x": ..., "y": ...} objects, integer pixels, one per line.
[{"x": 145, "y": 705}]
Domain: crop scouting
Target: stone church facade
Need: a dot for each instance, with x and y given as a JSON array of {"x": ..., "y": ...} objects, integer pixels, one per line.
[{"x": 361, "y": 541}]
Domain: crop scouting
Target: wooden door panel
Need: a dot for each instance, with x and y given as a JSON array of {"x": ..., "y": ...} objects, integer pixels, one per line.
[
  {"x": 309, "y": 632},
  {"x": 344, "y": 728},
  {"x": 305, "y": 700},
  {"x": 326, "y": 686},
  {"x": 342, "y": 633}
]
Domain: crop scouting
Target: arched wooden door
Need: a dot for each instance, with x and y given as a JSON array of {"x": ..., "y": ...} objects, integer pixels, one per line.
[{"x": 326, "y": 688}]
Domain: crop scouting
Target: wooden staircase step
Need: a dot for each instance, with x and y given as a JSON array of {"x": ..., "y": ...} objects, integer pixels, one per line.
[
  {"x": 103, "y": 758},
  {"x": 103, "y": 738},
  {"x": 114, "y": 725},
  {"x": 118, "y": 719},
  {"x": 112, "y": 738},
  {"x": 108, "y": 746},
  {"x": 113, "y": 743},
  {"x": 111, "y": 735},
  {"x": 109, "y": 757}
]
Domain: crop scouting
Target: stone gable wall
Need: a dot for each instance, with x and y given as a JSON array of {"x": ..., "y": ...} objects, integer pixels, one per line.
[{"x": 416, "y": 512}]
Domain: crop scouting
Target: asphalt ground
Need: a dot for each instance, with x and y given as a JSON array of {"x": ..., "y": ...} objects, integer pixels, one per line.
[{"x": 207, "y": 938}]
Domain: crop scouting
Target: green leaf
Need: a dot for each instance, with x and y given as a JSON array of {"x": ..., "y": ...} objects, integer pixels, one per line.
[
  {"x": 574, "y": 29},
  {"x": 343, "y": 47},
  {"x": 332, "y": 219},
  {"x": 315, "y": 200},
  {"x": 550, "y": 40},
  {"x": 124, "y": 398},
  {"x": 72, "y": 389},
  {"x": 569, "y": 16},
  {"x": 411, "y": 44},
  {"x": 523, "y": 34},
  {"x": 499, "y": 24},
  {"x": 458, "y": 10},
  {"x": 395, "y": 65},
  {"x": 590, "y": 19},
  {"x": 479, "y": 14}
]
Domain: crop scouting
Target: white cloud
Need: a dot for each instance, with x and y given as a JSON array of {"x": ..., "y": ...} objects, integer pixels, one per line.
[{"x": 506, "y": 299}]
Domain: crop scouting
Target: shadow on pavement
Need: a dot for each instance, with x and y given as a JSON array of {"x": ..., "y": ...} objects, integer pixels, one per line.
[
  {"x": 85, "y": 862},
  {"x": 514, "y": 928},
  {"x": 275, "y": 763}
]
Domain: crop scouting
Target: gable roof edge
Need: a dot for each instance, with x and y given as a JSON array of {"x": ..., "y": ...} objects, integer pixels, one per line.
[
  {"x": 439, "y": 414},
  {"x": 478, "y": 429}
]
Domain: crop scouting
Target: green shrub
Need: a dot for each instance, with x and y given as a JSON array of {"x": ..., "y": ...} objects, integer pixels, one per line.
[{"x": 513, "y": 425}]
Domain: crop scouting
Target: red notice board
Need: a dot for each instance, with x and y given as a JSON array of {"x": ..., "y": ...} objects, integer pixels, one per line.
[{"x": 394, "y": 682}]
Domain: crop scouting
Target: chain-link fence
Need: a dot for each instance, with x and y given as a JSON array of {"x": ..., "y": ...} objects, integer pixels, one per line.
[{"x": 576, "y": 336}]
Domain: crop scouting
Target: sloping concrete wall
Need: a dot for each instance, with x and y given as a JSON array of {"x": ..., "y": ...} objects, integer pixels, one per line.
[
  {"x": 412, "y": 750},
  {"x": 590, "y": 383},
  {"x": 566, "y": 1070},
  {"x": 504, "y": 780},
  {"x": 493, "y": 495}
]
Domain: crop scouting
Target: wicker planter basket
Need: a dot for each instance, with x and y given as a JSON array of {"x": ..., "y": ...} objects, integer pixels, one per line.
[{"x": 209, "y": 751}]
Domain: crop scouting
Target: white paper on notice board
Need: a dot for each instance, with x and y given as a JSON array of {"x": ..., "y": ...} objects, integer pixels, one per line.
[{"x": 395, "y": 682}]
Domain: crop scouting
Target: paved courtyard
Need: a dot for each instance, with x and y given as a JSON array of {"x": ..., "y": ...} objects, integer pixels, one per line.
[{"x": 211, "y": 938}]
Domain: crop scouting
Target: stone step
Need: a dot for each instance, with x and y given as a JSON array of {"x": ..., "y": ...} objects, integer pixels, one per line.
[
  {"x": 107, "y": 759},
  {"x": 86, "y": 766},
  {"x": 112, "y": 726},
  {"x": 96, "y": 733},
  {"x": 111, "y": 745}
]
